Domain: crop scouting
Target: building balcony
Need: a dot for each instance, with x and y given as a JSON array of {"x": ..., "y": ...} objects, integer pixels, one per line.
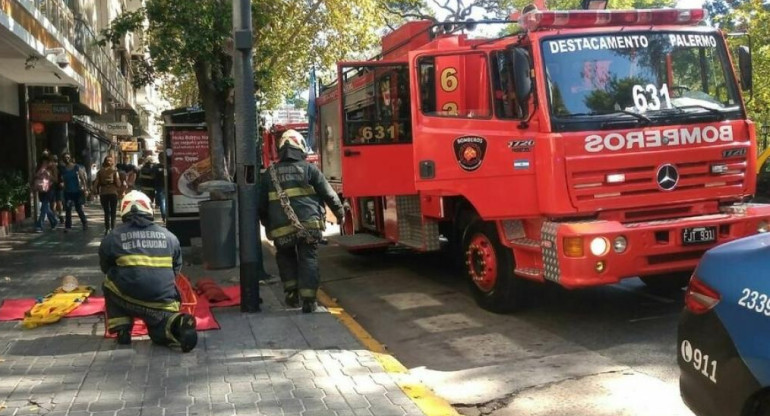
[{"x": 30, "y": 32}]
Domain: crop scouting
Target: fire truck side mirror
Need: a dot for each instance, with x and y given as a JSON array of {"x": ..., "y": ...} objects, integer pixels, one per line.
[
  {"x": 522, "y": 80},
  {"x": 744, "y": 64}
]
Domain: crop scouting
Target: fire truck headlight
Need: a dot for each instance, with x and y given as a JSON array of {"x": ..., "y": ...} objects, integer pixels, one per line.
[
  {"x": 763, "y": 227},
  {"x": 619, "y": 244},
  {"x": 573, "y": 246},
  {"x": 599, "y": 246}
]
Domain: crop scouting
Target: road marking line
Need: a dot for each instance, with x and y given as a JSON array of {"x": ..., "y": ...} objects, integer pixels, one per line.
[{"x": 422, "y": 396}]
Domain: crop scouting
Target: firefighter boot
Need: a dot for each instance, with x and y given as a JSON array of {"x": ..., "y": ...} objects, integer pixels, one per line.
[
  {"x": 292, "y": 299},
  {"x": 184, "y": 331},
  {"x": 124, "y": 336},
  {"x": 309, "y": 305}
]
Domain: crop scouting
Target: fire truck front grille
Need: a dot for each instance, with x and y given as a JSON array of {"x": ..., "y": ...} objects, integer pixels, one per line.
[{"x": 598, "y": 183}]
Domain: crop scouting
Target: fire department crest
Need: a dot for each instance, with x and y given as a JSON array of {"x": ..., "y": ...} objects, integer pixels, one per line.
[{"x": 469, "y": 151}]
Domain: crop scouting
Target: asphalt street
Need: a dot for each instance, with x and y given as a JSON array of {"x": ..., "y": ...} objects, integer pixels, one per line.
[{"x": 603, "y": 351}]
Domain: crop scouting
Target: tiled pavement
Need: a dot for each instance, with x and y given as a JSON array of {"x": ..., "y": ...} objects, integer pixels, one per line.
[{"x": 276, "y": 362}]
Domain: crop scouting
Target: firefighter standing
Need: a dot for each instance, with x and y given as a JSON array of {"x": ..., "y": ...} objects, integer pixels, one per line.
[
  {"x": 141, "y": 261},
  {"x": 294, "y": 217}
]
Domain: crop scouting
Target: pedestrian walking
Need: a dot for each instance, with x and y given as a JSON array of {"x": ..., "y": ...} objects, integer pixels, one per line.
[
  {"x": 58, "y": 190},
  {"x": 44, "y": 186},
  {"x": 293, "y": 193},
  {"x": 73, "y": 181},
  {"x": 107, "y": 186},
  {"x": 141, "y": 260},
  {"x": 146, "y": 179}
]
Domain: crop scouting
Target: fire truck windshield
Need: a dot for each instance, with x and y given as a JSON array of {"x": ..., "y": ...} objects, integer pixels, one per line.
[{"x": 665, "y": 77}]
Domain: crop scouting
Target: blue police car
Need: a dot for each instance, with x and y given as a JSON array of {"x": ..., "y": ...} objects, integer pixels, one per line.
[{"x": 724, "y": 331}]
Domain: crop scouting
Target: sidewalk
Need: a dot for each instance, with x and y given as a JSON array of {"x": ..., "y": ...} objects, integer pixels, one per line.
[{"x": 276, "y": 362}]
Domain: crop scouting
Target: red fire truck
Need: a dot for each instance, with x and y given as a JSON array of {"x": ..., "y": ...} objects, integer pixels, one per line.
[
  {"x": 270, "y": 139},
  {"x": 588, "y": 147}
]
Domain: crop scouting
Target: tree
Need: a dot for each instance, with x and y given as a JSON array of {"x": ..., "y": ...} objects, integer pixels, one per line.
[
  {"x": 191, "y": 40},
  {"x": 752, "y": 17}
]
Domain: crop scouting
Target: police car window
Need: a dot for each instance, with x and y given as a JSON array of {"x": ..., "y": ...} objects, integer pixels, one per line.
[
  {"x": 455, "y": 86},
  {"x": 377, "y": 106}
]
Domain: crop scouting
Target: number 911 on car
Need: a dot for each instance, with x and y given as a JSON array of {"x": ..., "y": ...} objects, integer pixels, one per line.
[{"x": 724, "y": 331}]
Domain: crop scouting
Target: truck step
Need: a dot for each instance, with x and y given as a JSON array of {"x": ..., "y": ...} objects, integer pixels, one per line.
[
  {"x": 361, "y": 241},
  {"x": 529, "y": 272},
  {"x": 528, "y": 244}
]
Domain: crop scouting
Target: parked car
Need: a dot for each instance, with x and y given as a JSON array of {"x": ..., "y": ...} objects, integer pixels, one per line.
[
  {"x": 763, "y": 177},
  {"x": 724, "y": 331}
]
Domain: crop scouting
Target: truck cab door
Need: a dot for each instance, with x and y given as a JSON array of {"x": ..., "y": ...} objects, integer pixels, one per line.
[{"x": 375, "y": 109}]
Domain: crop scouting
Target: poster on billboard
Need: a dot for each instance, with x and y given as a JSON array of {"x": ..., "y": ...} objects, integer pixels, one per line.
[{"x": 190, "y": 166}]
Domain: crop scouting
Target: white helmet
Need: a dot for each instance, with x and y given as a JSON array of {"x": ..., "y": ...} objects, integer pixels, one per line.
[
  {"x": 135, "y": 201},
  {"x": 293, "y": 139}
]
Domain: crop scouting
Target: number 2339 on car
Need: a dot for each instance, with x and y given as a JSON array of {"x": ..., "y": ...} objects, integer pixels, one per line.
[{"x": 724, "y": 331}]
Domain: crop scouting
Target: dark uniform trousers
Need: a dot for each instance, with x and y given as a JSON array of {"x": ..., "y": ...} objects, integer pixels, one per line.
[
  {"x": 298, "y": 266},
  {"x": 120, "y": 312}
]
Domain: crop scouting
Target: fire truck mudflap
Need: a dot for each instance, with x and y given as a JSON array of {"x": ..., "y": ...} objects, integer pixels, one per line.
[{"x": 592, "y": 253}]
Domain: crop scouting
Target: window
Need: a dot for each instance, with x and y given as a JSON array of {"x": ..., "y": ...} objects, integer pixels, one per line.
[
  {"x": 455, "y": 86},
  {"x": 377, "y": 106},
  {"x": 503, "y": 87}
]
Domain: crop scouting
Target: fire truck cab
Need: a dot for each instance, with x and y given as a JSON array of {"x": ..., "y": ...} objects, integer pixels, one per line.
[
  {"x": 587, "y": 147},
  {"x": 271, "y": 136}
]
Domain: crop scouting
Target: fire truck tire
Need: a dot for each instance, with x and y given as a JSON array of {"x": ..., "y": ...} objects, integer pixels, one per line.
[
  {"x": 489, "y": 266},
  {"x": 667, "y": 282}
]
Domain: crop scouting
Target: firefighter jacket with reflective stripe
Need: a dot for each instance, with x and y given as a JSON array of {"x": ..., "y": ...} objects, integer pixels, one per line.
[
  {"x": 147, "y": 177},
  {"x": 307, "y": 189},
  {"x": 141, "y": 264}
]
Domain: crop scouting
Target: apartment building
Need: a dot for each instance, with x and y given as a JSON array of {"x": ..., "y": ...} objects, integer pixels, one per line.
[{"x": 60, "y": 90}]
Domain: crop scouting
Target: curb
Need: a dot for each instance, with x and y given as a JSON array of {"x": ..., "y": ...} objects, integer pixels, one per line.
[{"x": 421, "y": 395}]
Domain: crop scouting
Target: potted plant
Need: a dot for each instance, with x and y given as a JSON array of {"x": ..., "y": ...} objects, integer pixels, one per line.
[{"x": 19, "y": 196}]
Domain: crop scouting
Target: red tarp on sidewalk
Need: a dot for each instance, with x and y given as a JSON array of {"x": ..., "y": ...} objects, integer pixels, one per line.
[{"x": 14, "y": 309}]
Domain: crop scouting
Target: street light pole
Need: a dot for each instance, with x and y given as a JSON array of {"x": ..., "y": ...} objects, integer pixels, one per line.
[{"x": 247, "y": 172}]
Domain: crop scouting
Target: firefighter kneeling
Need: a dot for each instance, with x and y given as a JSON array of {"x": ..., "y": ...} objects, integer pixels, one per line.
[
  {"x": 292, "y": 210},
  {"x": 141, "y": 261}
]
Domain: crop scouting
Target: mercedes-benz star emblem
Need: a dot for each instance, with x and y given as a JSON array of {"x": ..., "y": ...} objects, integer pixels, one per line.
[{"x": 667, "y": 177}]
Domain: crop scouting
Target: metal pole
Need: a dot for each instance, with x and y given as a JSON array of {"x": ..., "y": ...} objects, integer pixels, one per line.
[{"x": 246, "y": 157}]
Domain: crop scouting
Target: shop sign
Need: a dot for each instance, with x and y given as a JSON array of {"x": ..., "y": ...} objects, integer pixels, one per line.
[
  {"x": 129, "y": 146},
  {"x": 50, "y": 112},
  {"x": 120, "y": 128}
]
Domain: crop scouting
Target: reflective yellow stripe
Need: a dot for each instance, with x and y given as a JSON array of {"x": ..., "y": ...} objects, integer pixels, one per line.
[
  {"x": 292, "y": 192},
  {"x": 140, "y": 260},
  {"x": 288, "y": 229},
  {"x": 115, "y": 322},
  {"x": 172, "y": 306}
]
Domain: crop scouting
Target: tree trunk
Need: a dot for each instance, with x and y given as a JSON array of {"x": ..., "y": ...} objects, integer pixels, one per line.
[
  {"x": 229, "y": 132},
  {"x": 212, "y": 106}
]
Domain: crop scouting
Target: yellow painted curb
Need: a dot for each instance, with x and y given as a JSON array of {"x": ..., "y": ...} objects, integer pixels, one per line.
[{"x": 422, "y": 396}]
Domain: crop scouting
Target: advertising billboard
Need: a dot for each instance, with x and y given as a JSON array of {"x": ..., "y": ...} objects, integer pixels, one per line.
[{"x": 190, "y": 165}]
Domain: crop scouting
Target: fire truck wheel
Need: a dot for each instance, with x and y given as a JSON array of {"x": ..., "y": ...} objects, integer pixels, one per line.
[
  {"x": 489, "y": 266},
  {"x": 667, "y": 282}
]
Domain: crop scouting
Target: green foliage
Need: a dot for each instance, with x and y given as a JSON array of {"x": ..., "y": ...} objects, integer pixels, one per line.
[
  {"x": 292, "y": 35},
  {"x": 752, "y": 17},
  {"x": 14, "y": 190}
]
